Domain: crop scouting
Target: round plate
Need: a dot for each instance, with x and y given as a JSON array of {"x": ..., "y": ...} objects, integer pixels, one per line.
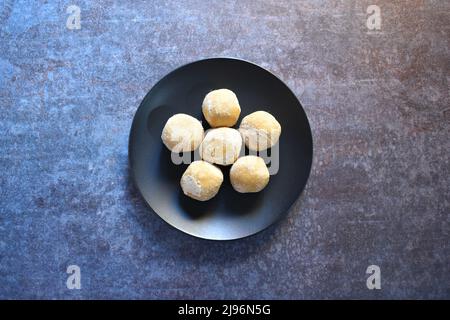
[{"x": 229, "y": 215}]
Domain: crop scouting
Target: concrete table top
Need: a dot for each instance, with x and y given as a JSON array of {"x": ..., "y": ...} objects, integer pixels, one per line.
[{"x": 375, "y": 86}]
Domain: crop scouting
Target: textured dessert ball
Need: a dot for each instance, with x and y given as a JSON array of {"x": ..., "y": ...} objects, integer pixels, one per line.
[
  {"x": 201, "y": 180},
  {"x": 249, "y": 174},
  {"x": 221, "y": 146},
  {"x": 221, "y": 108},
  {"x": 260, "y": 130},
  {"x": 182, "y": 133}
]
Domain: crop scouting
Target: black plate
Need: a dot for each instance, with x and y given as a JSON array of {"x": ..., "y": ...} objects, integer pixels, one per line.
[{"x": 230, "y": 215}]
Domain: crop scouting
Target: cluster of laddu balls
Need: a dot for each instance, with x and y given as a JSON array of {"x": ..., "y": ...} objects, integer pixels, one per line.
[{"x": 222, "y": 145}]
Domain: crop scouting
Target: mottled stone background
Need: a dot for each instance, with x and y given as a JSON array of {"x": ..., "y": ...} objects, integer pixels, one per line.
[{"x": 379, "y": 107}]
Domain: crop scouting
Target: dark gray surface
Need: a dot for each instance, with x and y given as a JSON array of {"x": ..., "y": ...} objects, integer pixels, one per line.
[{"x": 378, "y": 103}]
